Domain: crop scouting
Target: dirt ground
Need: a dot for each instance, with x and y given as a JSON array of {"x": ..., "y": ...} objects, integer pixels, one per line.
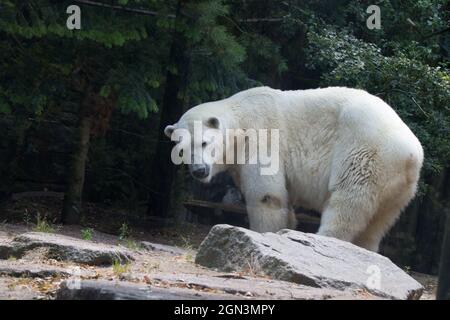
[
  {"x": 145, "y": 269},
  {"x": 430, "y": 284},
  {"x": 42, "y": 284}
]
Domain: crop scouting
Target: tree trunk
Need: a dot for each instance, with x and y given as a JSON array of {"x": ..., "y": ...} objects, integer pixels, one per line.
[
  {"x": 443, "y": 292},
  {"x": 16, "y": 151},
  {"x": 428, "y": 234},
  {"x": 172, "y": 109},
  {"x": 72, "y": 210}
]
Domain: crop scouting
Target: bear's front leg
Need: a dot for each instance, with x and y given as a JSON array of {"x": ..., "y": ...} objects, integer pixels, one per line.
[
  {"x": 267, "y": 203},
  {"x": 269, "y": 214}
]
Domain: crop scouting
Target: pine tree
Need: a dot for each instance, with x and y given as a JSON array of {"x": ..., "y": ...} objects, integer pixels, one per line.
[
  {"x": 108, "y": 64},
  {"x": 204, "y": 63}
]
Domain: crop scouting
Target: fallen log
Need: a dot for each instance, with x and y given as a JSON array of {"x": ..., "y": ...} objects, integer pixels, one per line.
[
  {"x": 207, "y": 207},
  {"x": 37, "y": 194}
]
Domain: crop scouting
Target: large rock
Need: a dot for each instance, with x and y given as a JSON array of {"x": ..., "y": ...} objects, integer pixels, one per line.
[
  {"x": 108, "y": 290},
  {"x": 6, "y": 250},
  {"x": 66, "y": 248},
  {"x": 259, "y": 288},
  {"x": 197, "y": 287},
  {"x": 35, "y": 269},
  {"x": 9, "y": 290},
  {"x": 307, "y": 259}
]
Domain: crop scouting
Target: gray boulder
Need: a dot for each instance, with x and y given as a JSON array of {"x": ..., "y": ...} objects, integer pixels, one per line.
[
  {"x": 113, "y": 290},
  {"x": 18, "y": 270},
  {"x": 66, "y": 248},
  {"x": 306, "y": 259},
  {"x": 260, "y": 288},
  {"x": 6, "y": 250}
]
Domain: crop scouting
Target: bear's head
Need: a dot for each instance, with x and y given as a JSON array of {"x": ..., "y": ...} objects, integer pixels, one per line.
[{"x": 199, "y": 138}]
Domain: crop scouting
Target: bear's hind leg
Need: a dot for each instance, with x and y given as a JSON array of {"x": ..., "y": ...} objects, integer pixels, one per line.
[
  {"x": 355, "y": 191},
  {"x": 292, "y": 220},
  {"x": 347, "y": 214},
  {"x": 388, "y": 213},
  {"x": 383, "y": 220}
]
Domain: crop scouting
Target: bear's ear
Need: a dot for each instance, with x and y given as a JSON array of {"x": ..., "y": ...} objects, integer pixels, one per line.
[
  {"x": 169, "y": 130},
  {"x": 213, "y": 122}
]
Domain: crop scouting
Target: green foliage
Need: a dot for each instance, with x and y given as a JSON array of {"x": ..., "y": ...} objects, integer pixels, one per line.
[
  {"x": 120, "y": 268},
  {"x": 132, "y": 244},
  {"x": 86, "y": 234},
  {"x": 124, "y": 231},
  {"x": 418, "y": 92},
  {"x": 42, "y": 225},
  {"x": 49, "y": 64},
  {"x": 215, "y": 53}
]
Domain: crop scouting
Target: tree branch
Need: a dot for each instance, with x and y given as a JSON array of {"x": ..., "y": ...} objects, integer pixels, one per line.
[
  {"x": 253, "y": 20},
  {"x": 171, "y": 16},
  {"x": 121, "y": 8},
  {"x": 436, "y": 33}
]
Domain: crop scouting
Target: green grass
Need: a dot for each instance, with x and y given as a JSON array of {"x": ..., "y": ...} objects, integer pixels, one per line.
[
  {"x": 86, "y": 234},
  {"x": 42, "y": 225},
  {"x": 26, "y": 217},
  {"x": 186, "y": 243},
  {"x": 131, "y": 244},
  {"x": 120, "y": 268},
  {"x": 125, "y": 238},
  {"x": 124, "y": 231},
  {"x": 189, "y": 256}
]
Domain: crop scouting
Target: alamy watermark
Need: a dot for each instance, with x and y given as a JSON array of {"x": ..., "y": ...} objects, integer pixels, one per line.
[
  {"x": 74, "y": 282},
  {"x": 374, "y": 280},
  {"x": 374, "y": 20},
  {"x": 74, "y": 20},
  {"x": 237, "y": 146}
]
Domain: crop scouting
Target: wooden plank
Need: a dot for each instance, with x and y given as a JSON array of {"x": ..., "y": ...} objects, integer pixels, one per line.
[
  {"x": 192, "y": 204},
  {"x": 301, "y": 217},
  {"x": 216, "y": 205},
  {"x": 37, "y": 194}
]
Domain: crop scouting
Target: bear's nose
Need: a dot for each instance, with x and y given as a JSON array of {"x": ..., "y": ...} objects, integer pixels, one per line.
[{"x": 200, "y": 171}]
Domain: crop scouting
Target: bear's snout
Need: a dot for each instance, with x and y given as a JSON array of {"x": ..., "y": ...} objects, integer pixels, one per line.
[{"x": 199, "y": 171}]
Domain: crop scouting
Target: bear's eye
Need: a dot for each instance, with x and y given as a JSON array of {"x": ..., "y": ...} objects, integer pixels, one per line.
[
  {"x": 204, "y": 144},
  {"x": 213, "y": 123}
]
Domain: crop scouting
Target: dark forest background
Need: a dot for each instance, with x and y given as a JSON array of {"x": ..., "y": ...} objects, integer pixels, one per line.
[{"x": 82, "y": 111}]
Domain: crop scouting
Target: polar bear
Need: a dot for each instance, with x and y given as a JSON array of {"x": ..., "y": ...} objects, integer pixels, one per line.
[{"x": 342, "y": 152}]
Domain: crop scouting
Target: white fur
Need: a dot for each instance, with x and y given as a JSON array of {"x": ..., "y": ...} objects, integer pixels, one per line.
[{"x": 343, "y": 152}]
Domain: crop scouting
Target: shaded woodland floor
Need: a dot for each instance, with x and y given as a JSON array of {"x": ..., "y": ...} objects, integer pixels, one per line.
[
  {"x": 109, "y": 226},
  {"x": 106, "y": 219}
]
